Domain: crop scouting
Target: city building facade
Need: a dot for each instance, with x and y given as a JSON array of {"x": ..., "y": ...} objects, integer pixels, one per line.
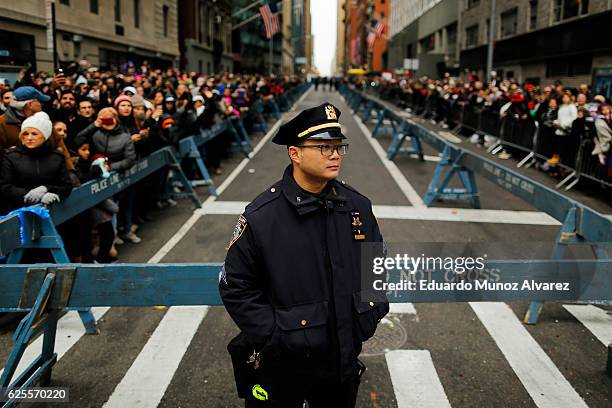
[
  {"x": 302, "y": 37},
  {"x": 356, "y": 18},
  {"x": 538, "y": 41},
  {"x": 339, "y": 58},
  {"x": 128, "y": 30},
  {"x": 377, "y": 53},
  {"x": 425, "y": 31},
  {"x": 288, "y": 54},
  {"x": 205, "y": 35},
  {"x": 250, "y": 46}
]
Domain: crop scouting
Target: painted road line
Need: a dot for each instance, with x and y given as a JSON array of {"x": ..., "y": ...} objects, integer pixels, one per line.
[
  {"x": 400, "y": 212},
  {"x": 464, "y": 215},
  {"x": 402, "y": 308},
  {"x": 405, "y": 186},
  {"x": 415, "y": 381},
  {"x": 232, "y": 176},
  {"x": 536, "y": 371},
  {"x": 597, "y": 320},
  {"x": 145, "y": 383},
  {"x": 69, "y": 330}
]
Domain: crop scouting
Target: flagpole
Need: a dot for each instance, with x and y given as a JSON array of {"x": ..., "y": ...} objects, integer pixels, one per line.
[{"x": 271, "y": 54}]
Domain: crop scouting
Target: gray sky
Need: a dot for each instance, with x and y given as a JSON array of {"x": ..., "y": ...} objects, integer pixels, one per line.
[{"x": 324, "y": 22}]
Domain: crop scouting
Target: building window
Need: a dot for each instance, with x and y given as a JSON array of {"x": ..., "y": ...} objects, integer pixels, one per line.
[
  {"x": 579, "y": 65},
  {"x": 77, "y": 50},
  {"x": 165, "y": 12},
  {"x": 93, "y": 6},
  {"x": 508, "y": 23},
  {"x": 564, "y": 9},
  {"x": 471, "y": 36},
  {"x": 409, "y": 51},
  {"x": 118, "y": 11},
  {"x": 200, "y": 22},
  {"x": 428, "y": 43},
  {"x": 65, "y": 2},
  {"x": 533, "y": 14},
  {"x": 137, "y": 13},
  {"x": 472, "y": 3},
  {"x": 451, "y": 39}
]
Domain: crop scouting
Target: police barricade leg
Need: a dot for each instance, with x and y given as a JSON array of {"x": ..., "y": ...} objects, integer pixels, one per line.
[
  {"x": 236, "y": 129},
  {"x": 40, "y": 233},
  {"x": 179, "y": 177},
  {"x": 382, "y": 113},
  {"x": 399, "y": 136},
  {"x": 438, "y": 188},
  {"x": 37, "y": 319},
  {"x": 567, "y": 236},
  {"x": 530, "y": 160},
  {"x": 260, "y": 122},
  {"x": 189, "y": 150},
  {"x": 274, "y": 108},
  {"x": 368, "y": 112},
  {"x": 240, "y": 129}
]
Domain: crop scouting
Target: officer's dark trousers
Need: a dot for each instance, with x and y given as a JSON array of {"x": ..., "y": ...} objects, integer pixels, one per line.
[{"x": 318, "y": 393}]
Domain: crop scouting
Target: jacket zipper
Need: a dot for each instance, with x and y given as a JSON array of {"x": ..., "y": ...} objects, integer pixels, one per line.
[{"x": 106, "y": 146}]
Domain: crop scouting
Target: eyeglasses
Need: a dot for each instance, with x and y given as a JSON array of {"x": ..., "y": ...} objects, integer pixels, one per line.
[{"x": 328, "y": 150}]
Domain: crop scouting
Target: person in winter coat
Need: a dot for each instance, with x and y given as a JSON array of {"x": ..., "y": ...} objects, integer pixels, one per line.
[
  {"x": 101, "y": 215},
  {"x": 107, "y": 137},
  {"x": 547, "y": 128},
  {"x": 26, "y": 101},
  {"x": 110, "y": 139},
  {"x": 566, "y": 115},
  {"x": 603, "y": 127},
  {"x": 33, "y": 172}
]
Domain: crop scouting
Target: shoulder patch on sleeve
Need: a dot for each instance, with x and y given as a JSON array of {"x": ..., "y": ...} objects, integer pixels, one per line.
[{"x": 241, "y": 225}]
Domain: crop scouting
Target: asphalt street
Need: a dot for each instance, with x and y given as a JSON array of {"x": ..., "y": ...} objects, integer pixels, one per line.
[{"x": 423, "y": 355}]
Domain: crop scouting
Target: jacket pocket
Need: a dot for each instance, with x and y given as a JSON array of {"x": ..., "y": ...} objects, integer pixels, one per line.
[
  {"x": 367, "y": 315},
  {"x": 303, "y": 330}
]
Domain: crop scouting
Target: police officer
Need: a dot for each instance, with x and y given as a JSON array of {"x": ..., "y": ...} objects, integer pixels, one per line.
[{"x": 291, "y": 277}]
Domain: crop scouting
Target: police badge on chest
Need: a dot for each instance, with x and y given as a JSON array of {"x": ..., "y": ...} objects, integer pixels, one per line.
[{"x": 357, "y": 225}]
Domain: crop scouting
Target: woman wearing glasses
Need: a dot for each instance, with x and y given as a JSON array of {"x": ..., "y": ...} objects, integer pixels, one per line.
[{"x": 291, "y": 279}]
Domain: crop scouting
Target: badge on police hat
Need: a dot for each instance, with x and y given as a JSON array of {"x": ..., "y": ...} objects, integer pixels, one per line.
[
  {"x": 320, "y": 122},
  {"x": 238, "y": 230},
  {"x": 358, "y": 234},
  {"x": 330, "y": 112}
]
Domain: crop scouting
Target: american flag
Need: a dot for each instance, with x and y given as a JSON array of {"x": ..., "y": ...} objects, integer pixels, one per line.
[
  {"x": 380, "y": 28},
  {"x": 270, "y": 21},
  {"x": 371, "y": 41}
]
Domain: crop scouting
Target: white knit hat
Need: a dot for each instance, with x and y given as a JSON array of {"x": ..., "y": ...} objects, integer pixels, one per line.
[{"x": 40, "y": 121}]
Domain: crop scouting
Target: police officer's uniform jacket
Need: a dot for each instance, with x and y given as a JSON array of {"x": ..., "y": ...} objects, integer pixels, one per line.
[{"x": 291, "y": 278}]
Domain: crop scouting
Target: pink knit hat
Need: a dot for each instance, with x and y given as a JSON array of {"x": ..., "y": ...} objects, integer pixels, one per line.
[{"x": 120, "y": 99}]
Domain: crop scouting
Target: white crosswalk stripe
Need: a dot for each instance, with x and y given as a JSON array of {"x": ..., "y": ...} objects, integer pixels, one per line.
[
  {"x": 597, "y": 320},
  {"x": 415, "y": 381},
  {"x": 146, "y": 381},
  {"x": 541, "y": 378}
]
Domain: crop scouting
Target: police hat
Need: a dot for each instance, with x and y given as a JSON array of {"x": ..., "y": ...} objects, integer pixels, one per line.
[{"x": 319, "y": 123}]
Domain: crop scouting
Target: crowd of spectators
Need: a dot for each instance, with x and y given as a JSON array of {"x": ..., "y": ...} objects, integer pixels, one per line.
[
  {"x": 80, "y": 123},
  {"x": 565, "y": 118}
]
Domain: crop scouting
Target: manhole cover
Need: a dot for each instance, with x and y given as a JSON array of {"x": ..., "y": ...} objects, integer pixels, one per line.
[{"x": 390, "y": 335}]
